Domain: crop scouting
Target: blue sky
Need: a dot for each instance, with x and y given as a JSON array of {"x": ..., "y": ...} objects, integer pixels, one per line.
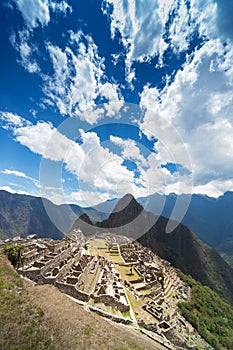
[{"x": 103, "y": 97}]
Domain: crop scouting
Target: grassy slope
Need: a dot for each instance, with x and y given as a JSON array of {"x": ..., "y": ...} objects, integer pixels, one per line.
[
  {"x": 40, "y": 317},
  {"x": 22, "y": 325}
]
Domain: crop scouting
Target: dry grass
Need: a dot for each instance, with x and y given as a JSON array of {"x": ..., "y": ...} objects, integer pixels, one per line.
[
  {"x": 22, "y": 324},
  {"x": 74, "y": 328}
]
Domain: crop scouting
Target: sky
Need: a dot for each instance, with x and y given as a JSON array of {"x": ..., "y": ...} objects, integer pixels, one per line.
[{"x": 99, "y": 98}]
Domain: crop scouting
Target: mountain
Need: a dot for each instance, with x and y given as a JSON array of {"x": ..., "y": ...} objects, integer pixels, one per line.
[
  {"x": 21, "y": 215},
  {"x": 182, "y": 248},
  {"x": 107, "y": 206}
]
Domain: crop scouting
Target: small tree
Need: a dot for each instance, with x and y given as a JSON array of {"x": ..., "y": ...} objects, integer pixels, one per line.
[{"x": 14, "y": 253}]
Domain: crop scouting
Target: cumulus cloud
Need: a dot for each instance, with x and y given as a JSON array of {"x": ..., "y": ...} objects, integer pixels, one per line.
[
  {"x": 149, "y": 28},
  {"x": 141, "y": 31},
  {"x": 35, "y": 137},
  {"x": 96, "y": 167},
  {"x": 198, "y": 106},
  {"x": 130, "y": 150}
]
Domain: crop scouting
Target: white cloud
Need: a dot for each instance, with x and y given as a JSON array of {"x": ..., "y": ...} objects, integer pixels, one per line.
[
  {"x": 35, "y": 137},
  {"x": 87, "y": 198},
  {"x": 19, "y": 174},
  {"x": 148, "y": 28},
  {"x": 140, "y": 27},
  {"x": 79, "y": 79},
  {"x": 26, "y": 49},
  {"x": 37, "y": 12},
  {"x": 179, "y": 30},
  {"x": 11, "y": 120},
  {"x": 214, "y": 188},
  {"x": 110, "y": 91},
  {"x": 130, "y": 150},
  {"x": 13, "y": 190},
  {"x": 34, "y": 12},
  {"x": 96, "y": 167},
  {"x": 61, "y": 6},
  {"x": 41, "y": 138},
  {"x": 198, "y": 106}
]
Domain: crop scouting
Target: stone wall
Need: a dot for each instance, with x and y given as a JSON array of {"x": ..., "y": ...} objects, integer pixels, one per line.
[
  {"x": 85, "y": 272},
  {"x": 30, "y": 259},
  {"x": 64, "y": 271},
  {"x": 33, "y": 275},
  {"x": 56, "y": 261},
  {"x": 114, "y": 318},
  {"x": 72, "y": 291}
]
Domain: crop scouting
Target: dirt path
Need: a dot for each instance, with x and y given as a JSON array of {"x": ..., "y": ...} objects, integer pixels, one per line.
[{"x": 73, "y": 328}]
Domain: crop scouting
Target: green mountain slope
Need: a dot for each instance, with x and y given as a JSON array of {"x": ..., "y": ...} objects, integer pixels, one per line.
[{"x": 209, "y": 314}]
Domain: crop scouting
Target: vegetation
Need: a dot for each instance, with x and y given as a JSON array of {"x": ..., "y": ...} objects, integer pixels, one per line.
[
  {"x": 226, "y": 251},
  {"x": 209, "y": 314},
  {"x": 14, "y": 252}
]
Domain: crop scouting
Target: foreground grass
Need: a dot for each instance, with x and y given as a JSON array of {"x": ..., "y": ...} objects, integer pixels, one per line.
[
  {"x": 209, "y": 314},
  {"x": 22, "y": 324}
]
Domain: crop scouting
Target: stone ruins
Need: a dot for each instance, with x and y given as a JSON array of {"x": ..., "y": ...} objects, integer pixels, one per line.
[{"x": 116, "y": 278}]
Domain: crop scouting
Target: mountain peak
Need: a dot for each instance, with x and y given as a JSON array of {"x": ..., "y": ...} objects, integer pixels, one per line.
[
  {"x": 126, "y": 201},
  {"x": 126, "y": 210}
]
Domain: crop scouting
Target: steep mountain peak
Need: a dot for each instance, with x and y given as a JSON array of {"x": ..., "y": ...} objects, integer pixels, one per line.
[
  {"x": 126, "y": 210},
  {"x": 127, "y": 202}
]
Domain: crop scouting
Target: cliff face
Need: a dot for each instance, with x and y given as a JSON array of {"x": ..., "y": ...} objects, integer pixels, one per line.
[{"x": 181, "y": 247}]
